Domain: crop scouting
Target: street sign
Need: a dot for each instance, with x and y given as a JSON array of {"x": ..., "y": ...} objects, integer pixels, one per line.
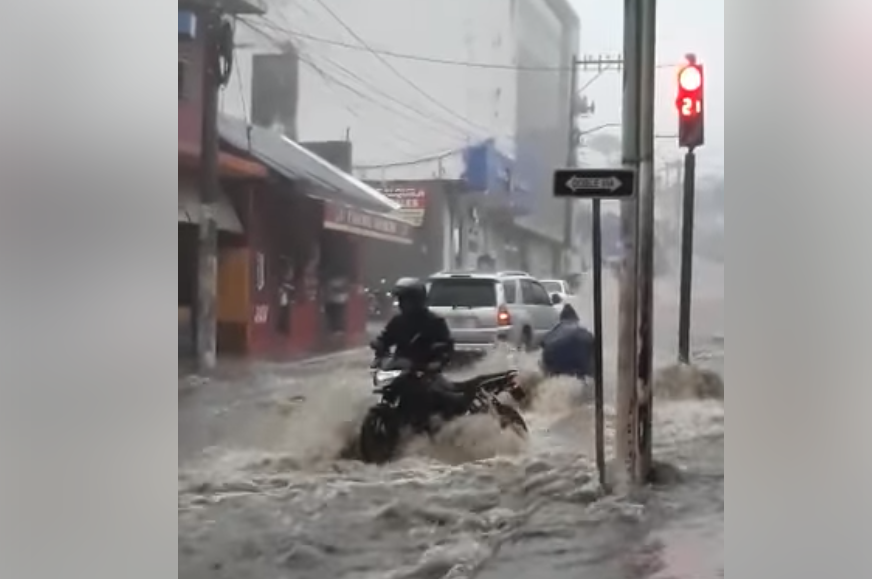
[{"x": 595, "y": 183}]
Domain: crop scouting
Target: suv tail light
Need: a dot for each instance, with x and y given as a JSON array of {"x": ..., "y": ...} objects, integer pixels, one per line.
[{"x": 504, "y": 318}]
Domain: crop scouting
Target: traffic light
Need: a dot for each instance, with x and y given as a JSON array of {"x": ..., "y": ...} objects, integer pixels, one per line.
[{"x": 691, "y": 106}]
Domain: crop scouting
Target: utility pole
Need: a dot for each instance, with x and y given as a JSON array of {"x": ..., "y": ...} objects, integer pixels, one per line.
[
  {"x": 572, "y": 161},
  {"x": 647, "y": 238},
  {"x": 207, "y": 257},
  {"x": 627, "y": 435}
]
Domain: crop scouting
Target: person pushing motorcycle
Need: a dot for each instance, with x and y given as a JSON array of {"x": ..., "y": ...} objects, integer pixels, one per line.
[{"x": 423, "y": 339}]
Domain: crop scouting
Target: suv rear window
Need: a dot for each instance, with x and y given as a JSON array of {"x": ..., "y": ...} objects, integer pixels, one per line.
[
  {"x": 463, "y": 293},
  {"x": 553, "y": 287}
]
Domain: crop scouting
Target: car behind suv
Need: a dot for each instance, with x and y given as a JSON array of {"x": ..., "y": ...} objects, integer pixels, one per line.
[{"x": 485, "y": 309}]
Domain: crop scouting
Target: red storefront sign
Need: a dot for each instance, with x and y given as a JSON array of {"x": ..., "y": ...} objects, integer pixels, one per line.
[
  {"x": 365, "y": 224},
  {"x": 412, "y": 200}
]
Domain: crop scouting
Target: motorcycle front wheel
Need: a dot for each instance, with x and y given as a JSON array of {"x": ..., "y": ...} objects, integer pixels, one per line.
[{"x": 379, "y": 435}]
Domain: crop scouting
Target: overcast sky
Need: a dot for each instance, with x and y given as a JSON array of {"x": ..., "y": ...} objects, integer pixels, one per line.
[{"x": 684, "y": 26}]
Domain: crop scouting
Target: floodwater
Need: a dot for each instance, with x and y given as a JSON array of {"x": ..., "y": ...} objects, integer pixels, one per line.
[{"x": 262, "y": 493}]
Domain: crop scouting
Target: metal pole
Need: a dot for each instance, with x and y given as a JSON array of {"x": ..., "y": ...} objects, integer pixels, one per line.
[
  {"x": 627, "y": 399},
  {"x": 599, "y": 359},
  {"x": 647, "y": 236},
  {"x": 687, "y": 231},
  {"x": 572, "y": 162},
  {"x": 207, "y": 266}
]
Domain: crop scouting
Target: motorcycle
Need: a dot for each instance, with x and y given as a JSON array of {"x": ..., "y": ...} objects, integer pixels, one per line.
[{"x": 382, "y": 429}]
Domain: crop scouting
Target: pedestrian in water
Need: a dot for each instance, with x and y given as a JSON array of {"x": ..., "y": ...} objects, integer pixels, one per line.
[{"x": 568, "y": 350}]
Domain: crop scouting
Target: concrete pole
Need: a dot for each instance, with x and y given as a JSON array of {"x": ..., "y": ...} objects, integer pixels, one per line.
[
  {"x": 626, "y": 437},
  {"x": 647, "y": 237},
  {"x": 207, "y": 257},
  {"x": 571, "y": 163}
]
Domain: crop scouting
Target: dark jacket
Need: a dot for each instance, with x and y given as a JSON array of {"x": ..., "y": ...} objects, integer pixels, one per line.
[
  {"x": 414, "y": 337},
  {"x": 568, "y": 350}
]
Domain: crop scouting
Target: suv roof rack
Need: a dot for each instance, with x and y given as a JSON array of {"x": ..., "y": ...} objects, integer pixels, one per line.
[{"x": 514, "y": 274}]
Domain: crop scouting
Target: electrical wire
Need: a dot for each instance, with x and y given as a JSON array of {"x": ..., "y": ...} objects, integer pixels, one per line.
[
  {"x": 420, "y": 117},
  {"x": 431, "y": 59},
  {"x": 400, "y": 75},
  {"x": 412, "y": 162},
  {"x": 332, "y": 81},
  {"x": 364, "y": 46}
]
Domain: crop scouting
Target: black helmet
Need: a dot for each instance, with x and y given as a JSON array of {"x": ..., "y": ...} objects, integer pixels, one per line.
[{"x": 411, "y": 294}]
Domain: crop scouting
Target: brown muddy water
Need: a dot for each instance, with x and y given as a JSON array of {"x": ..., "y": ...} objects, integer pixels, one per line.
[{"x": 263, "y": 495}]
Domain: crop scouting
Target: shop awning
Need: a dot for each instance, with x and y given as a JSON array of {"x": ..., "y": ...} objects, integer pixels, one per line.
[
  {"x": 189, "y": 210},
  {"x": 293, "y": 161}
]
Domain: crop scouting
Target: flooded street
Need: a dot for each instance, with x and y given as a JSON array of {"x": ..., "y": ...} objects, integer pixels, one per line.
[{"x": 262, "y": 493}]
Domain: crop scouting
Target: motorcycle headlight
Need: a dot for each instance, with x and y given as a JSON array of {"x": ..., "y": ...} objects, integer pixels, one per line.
[{"x": 384, "y": 378}]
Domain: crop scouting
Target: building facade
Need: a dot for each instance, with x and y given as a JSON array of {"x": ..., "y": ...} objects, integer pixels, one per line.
[
  {"x": 475, "y": 92},
  {"x": 291, "y": 222}
]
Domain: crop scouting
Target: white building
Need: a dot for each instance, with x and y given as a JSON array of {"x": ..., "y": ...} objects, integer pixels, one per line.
[{"x": 412, "y": 83}]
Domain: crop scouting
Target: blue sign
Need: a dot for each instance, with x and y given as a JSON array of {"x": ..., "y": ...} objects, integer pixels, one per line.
[
  {"x": 489, "y": 171},
  {"x": 187, "y": 25}
]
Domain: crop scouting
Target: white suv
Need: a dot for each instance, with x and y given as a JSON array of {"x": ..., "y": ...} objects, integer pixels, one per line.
[{"x": 484, "y": 309}]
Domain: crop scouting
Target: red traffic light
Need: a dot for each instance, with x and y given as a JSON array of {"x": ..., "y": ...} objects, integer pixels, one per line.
[
  {"x": 690, "y": 78},
  {"x": 690, "y": 91},
  {"x": 691, "y": 106}
]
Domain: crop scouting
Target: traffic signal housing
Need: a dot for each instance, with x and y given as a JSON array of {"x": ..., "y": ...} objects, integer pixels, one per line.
[{"x": 691, "y": 106}]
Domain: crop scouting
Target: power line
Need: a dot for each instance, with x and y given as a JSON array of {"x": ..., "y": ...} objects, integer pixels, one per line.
[
  {"x": 331, "y": 79},
  {"x": 400, "y": 75},
  {"x": 424, "y": 58},
  {"x": 411, "y": 162},
  {"x": 427, "y": 117},
  {"x": 386, "y": 95},
  {"x": 422, "y": 119}
]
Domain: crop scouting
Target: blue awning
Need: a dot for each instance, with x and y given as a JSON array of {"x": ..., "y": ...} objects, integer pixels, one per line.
[{"x": 293, "y": 161}]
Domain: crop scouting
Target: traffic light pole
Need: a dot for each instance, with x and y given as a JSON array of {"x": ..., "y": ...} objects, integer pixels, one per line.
[
  {"x": 626, "y": 436},
  {"x": 687, "y": 233}
]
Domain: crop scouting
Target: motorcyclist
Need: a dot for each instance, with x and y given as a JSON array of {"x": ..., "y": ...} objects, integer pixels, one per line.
[
  {"x": 569, "y": 348},
  {"x": 422, "y": 338}
]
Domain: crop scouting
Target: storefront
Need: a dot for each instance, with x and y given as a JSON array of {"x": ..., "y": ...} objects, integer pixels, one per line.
[
  {"x": 304, "y": 227},
  {"x": 429, "y": 220},
  {"x": 236, "y": 173}
]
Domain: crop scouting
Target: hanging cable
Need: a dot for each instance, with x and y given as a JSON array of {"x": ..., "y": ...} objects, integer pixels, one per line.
[
  {"x": 420, "y": 118},
  {"x": 400, "y": 75},
  {"x": 427, "y": 59}
]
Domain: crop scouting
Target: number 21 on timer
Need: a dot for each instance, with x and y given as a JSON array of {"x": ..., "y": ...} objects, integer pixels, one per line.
[{"x": 691, "y": 107}]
